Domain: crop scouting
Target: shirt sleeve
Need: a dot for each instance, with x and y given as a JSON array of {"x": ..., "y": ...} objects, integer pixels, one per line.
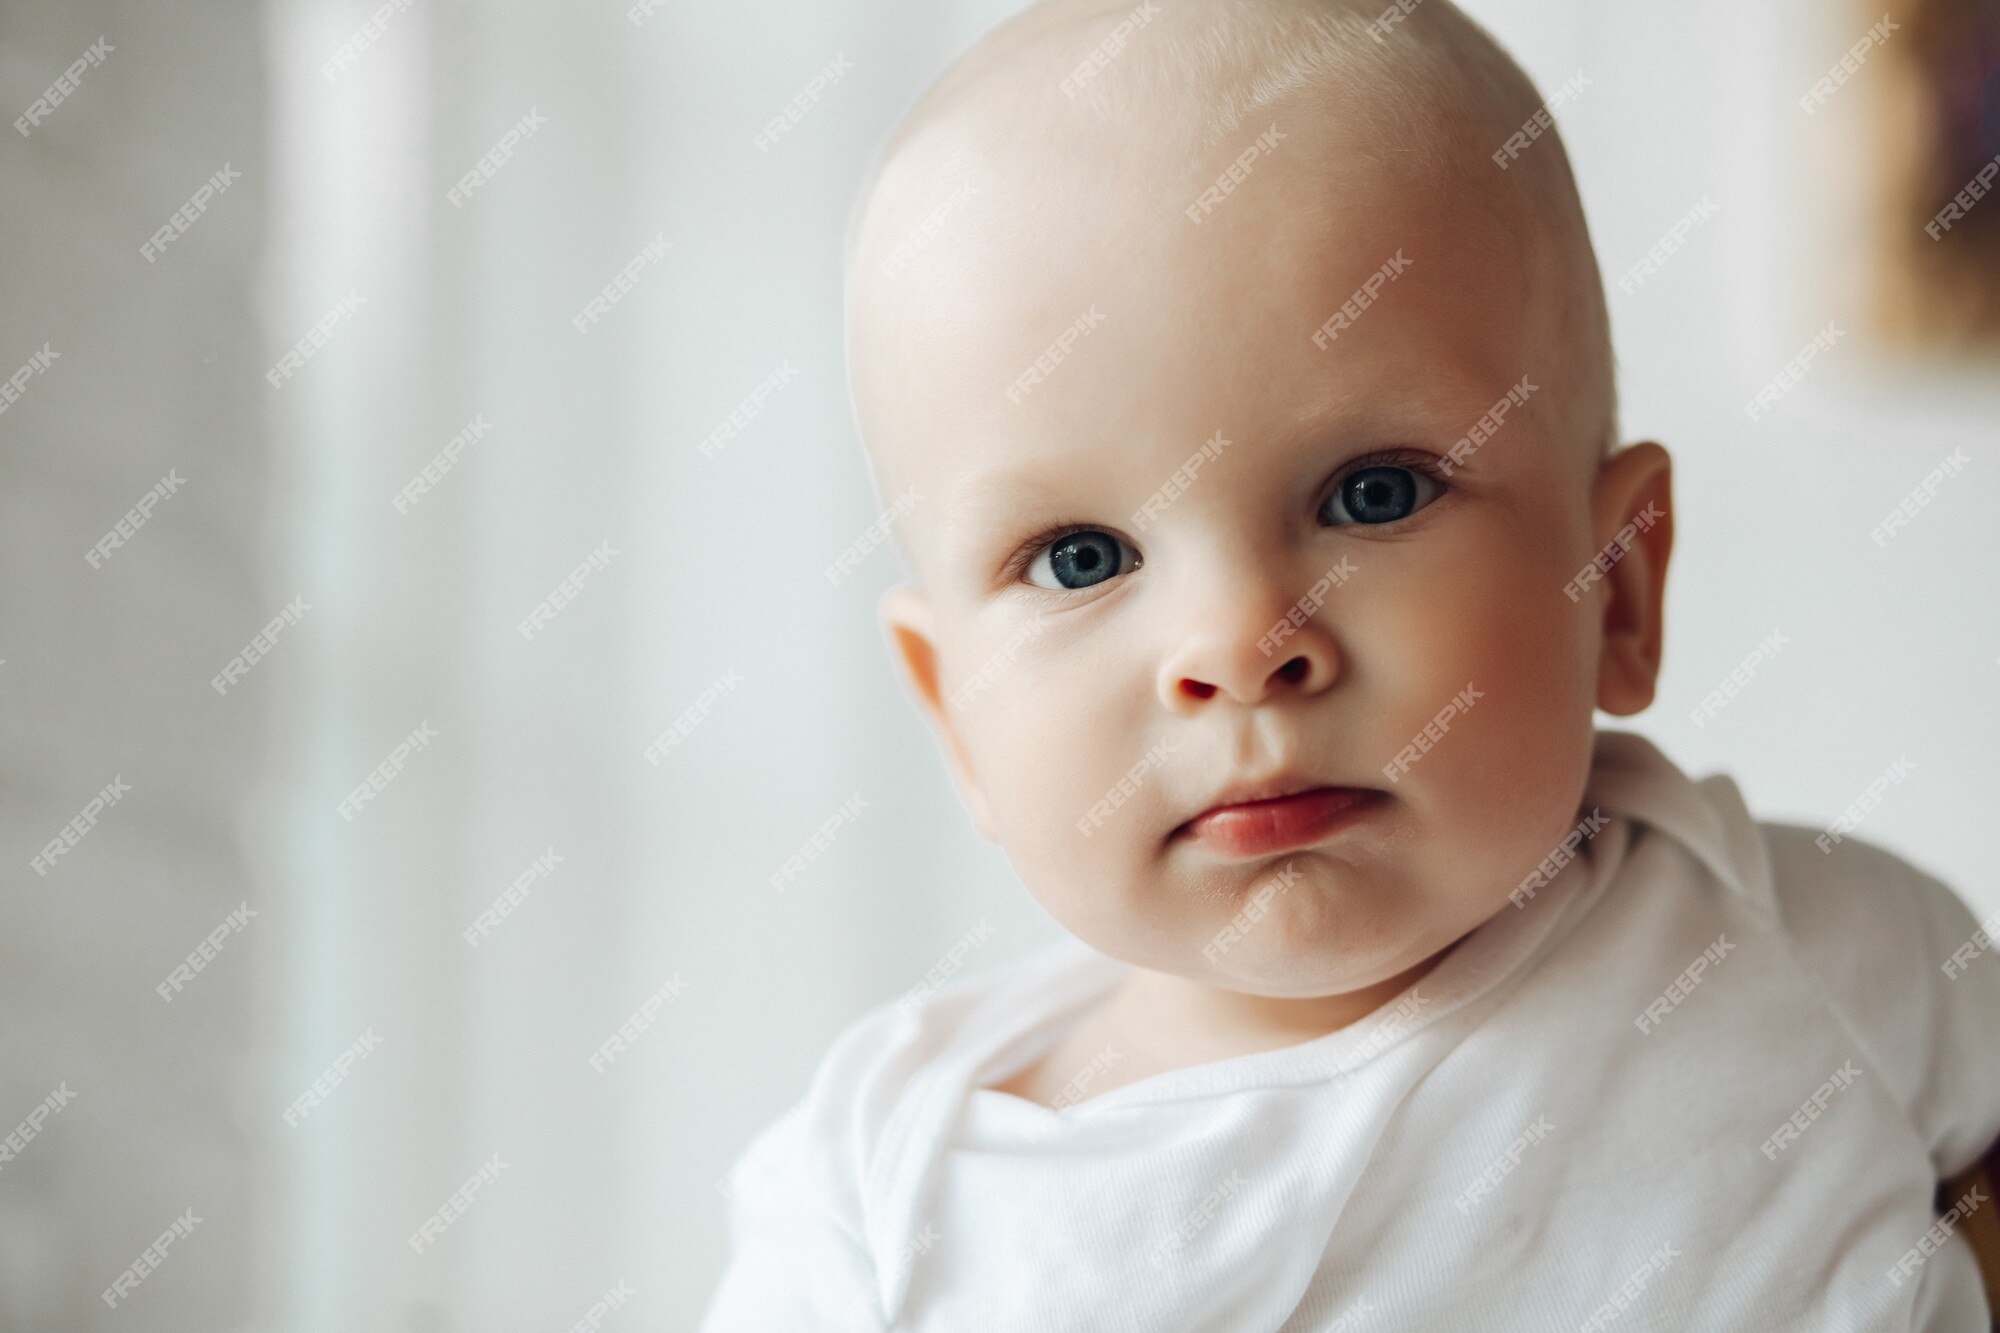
[
  {"x": 1910, "y": 971},
  {"x": 795, "y": 1261}
]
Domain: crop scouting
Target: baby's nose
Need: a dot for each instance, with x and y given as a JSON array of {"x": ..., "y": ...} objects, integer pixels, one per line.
[{"x": 1252, "y": 652}]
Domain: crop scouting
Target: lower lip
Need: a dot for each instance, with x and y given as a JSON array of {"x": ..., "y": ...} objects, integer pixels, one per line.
[{"x": 1259, "y": 828}]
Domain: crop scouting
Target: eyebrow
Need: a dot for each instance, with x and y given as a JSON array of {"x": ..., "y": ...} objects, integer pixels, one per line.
[
  {"x": 983, "y": 499},
  {"x": 982, "y": 495}
]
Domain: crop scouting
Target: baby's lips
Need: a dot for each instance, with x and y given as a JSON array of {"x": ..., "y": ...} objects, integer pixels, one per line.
[{"x": 1277, "y": 824}]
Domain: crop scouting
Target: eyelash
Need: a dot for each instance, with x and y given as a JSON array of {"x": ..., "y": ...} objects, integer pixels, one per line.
[{"x": 1414, "y": 460}]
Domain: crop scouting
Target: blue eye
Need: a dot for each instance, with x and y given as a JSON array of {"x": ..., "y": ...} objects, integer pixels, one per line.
[
  {"x": 1079, "y": 560},
  {"x": 1379, "y": 495}
]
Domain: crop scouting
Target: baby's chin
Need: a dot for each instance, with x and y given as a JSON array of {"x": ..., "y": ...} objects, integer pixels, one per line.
[
  {"x": 1293, "y": 960},
  {"x": 1295, "y": 973}
]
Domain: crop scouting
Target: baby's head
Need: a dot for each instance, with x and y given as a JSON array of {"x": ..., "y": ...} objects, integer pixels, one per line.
[{"x": 1246, "y": 371}]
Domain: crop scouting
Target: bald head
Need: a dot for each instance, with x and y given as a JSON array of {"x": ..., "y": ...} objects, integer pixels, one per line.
[{"x": 1011, "y": 142}]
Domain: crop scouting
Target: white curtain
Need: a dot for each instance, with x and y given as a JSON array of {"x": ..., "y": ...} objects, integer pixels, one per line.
[{"x": 679, "y": 719}]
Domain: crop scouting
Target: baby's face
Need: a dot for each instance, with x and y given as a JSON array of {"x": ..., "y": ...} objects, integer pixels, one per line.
[{"x": 1117, "y": 545}]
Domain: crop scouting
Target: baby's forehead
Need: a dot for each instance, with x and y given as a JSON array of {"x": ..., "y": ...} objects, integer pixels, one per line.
[
  {"x": 1057, "y": 303},
  {"x": 1027, "y": 267}
]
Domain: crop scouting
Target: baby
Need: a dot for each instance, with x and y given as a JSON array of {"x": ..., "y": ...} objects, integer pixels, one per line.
[{"x": 1247, "y": 361}]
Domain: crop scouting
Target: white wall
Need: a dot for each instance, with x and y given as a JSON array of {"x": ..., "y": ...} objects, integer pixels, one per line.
[
  {"x": 105, "y": 670},
  {"x": 1894, "y": 650}
]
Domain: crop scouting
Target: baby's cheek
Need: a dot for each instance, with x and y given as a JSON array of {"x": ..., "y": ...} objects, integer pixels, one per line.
[
  {"x": 1500, "y": 784},
  {"x": 1068, "y": 788}
]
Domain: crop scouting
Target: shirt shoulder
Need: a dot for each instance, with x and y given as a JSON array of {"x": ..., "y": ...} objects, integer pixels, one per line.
[
  {"x": 1908, "y": 970},
  {"x": 807, "y": 1221},
  {"x": 828, "y": 1143}
]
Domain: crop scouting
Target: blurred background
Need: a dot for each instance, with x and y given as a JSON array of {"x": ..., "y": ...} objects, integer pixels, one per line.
[{"x": 424, "y": 448}]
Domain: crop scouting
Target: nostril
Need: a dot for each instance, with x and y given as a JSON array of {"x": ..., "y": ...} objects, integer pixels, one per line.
[
  {"x": 1198, "y": 689},
  {"x": 1295, "y": 669}
]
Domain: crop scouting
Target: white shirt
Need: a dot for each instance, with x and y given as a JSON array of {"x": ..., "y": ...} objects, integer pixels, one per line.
[{"x": 1707, "y": 1077}]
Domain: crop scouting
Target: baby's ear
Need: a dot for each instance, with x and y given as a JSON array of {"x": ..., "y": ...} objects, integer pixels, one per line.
[
  {"x": 912, "y": 629},
  {"x": 1633, "y": 518}
]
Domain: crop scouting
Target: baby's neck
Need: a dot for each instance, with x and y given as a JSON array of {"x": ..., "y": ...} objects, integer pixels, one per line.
[{"x": 1155, "y": 1022}]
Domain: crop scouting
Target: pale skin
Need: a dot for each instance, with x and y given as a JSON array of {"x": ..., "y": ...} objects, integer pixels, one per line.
[{"x": 1043, "y": 697}]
